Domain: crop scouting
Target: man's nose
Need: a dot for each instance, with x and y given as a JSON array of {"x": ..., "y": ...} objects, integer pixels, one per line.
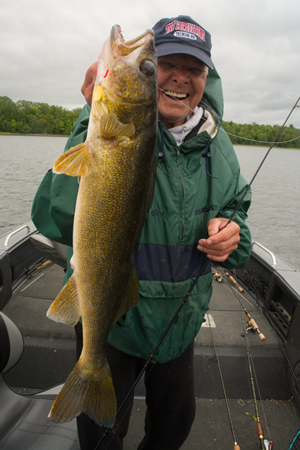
[{"x": 181, "y": 74}]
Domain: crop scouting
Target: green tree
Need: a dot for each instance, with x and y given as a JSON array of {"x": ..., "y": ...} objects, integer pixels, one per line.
[{"x": 13, "y": 125}]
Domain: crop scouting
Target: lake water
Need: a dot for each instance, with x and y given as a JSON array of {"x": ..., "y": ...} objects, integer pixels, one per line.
[{"x": 273, "y": 217}]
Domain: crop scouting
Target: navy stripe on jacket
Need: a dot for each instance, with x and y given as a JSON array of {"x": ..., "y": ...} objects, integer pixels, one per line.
[{"x": 157, "y": 262}]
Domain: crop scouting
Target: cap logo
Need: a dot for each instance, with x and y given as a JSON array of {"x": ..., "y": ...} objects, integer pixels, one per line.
[
  {"x": 185, "y": 35},
  {"x": 189, "y": 29}
]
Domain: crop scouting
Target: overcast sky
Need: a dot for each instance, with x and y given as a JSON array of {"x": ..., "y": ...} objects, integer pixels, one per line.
[{"x": 47, "y": 46}]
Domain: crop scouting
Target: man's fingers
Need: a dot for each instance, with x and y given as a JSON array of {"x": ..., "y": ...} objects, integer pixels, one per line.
[
  {"x": 221, "y": 244},
  {"x": 220, "y": 241},
  {"x": 218, "y": 249},
  {"x": 88, "y": 84},
  {"x": 216, "y": 225}
]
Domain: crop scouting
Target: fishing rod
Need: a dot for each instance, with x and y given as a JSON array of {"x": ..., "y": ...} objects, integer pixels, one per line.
[
  {"x": 207, "y": 261},
  {"x": 260, "y": 431},
  {"x": 293, "y": 374},
  {"x": 252, "y": 325},
  {"x": 250, "y": 322},
  {"x": 150, "y": 359},
  {"x": 264, "y": 443},
  {"x": 235, "y": 444}
]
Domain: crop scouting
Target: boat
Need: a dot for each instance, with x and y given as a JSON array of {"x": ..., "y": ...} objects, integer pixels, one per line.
[{"x": 248, "y": 345}]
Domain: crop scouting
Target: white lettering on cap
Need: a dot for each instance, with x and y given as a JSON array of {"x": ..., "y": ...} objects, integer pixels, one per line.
[{"x": 183, "y": 34}]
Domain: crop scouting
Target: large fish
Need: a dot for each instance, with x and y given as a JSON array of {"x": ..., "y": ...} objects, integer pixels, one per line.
[{"x": 116, "y": 166}]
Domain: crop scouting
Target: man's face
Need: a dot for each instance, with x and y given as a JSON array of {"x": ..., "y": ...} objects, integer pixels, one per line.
[{"x": 183, "y": 77}]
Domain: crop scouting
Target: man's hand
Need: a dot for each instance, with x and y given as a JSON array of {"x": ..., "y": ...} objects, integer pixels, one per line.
[
  {"x": 88, "y": 84},
  {"x": 222, "y": 241}
]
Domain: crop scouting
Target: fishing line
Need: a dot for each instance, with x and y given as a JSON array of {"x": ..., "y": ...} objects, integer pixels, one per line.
[
  {"x": 222, "y": 129},
  {"x": 263, "y": 160}
]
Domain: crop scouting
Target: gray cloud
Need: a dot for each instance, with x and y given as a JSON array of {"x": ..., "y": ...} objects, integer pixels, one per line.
[{"x": 46, "y": 48}]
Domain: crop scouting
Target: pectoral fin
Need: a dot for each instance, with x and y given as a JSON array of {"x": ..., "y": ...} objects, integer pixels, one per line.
[
  {"x": 65, "y": 307},
  {"x": 74, "y": 162},
  {"x": 110, "y": 127},
  {"x": 98, "y": 92},
  {"x": 99, "y": 109}
]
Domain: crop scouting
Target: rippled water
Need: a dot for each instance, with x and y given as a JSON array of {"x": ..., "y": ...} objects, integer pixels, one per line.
[
  {"x": 275, "y": 210},
  {"x": 273, "y": 217},
  {"x": 24, "y": 162}
]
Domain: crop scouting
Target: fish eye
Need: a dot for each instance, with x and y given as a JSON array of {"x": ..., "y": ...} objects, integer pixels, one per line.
[{"x": 147, "y": 67}]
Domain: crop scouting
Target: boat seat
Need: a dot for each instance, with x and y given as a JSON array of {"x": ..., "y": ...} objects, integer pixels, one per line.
[
  {"x": 52, "y": 250},
  {"x": 24, "y": 423}
]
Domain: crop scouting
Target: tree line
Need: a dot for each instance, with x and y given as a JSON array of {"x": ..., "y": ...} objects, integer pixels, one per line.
[
  {"x": 262, "y": 135},
  {"x": 35, "y": 118},
  {"x": 41, "y": 118}
]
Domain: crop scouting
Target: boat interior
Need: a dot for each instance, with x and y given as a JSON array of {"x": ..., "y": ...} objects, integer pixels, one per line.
[{"x": 248, "y": 346}]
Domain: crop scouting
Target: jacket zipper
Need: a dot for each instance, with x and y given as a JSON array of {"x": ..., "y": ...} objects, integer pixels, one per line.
[{"x": 182, "y": 195}]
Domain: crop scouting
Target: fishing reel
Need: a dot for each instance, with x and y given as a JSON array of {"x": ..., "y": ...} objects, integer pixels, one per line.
[
  {"x": 218, "y": 277},
  {"x": 268, "y": 444}
]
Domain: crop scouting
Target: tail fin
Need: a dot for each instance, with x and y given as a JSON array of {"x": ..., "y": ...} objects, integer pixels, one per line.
[{"x": 86, "y": 392}]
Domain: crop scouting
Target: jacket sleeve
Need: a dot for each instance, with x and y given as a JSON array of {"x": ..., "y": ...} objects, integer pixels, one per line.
[
  {"x": 238, "y": 184},
  {"x": 239, "y": 257},
  {"x": 54, "y": 203}
]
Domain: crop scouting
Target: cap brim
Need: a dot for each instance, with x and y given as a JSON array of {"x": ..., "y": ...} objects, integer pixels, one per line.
[{"x": 171, "y": 49}]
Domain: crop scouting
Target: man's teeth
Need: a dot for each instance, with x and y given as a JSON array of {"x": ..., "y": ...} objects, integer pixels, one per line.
[{"x": 173, "y": 94}]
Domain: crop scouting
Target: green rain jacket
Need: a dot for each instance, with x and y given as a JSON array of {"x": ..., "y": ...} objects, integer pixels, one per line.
[{"x": 196, "y": 181}]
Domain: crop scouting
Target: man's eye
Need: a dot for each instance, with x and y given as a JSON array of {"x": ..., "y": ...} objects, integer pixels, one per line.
[
  {"x": 195, "y": 70},
  {"x": 165, "y": 64}
]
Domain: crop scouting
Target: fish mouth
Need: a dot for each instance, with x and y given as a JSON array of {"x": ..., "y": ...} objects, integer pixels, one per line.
[{"x": 126, "y": 47}]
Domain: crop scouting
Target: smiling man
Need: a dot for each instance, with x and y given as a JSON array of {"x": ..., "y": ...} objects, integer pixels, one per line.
[
  {"x": 198, "y": 185},
  {"x": 183, "y": 51},
  {"x": 181, "y": 80}
]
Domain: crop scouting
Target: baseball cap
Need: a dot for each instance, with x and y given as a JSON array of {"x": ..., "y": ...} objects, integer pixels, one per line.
[{"x": 183, "y": 35}]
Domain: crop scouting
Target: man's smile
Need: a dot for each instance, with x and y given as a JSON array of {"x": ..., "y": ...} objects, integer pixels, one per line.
[{"x": 175, "y": 95}]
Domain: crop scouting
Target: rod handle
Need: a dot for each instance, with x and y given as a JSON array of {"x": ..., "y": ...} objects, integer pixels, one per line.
[
  {"x": 262, "y": 337},
  {"x": 255, "y": 327},
  {"x": 260, "y": 431},
  {"x": 236, "y": 447},
  {"x": 233, "y": 280},
  {"x": 253, "y": 323}
]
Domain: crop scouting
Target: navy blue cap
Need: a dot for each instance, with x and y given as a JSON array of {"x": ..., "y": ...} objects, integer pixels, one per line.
[{"x": 183, "y": 35}]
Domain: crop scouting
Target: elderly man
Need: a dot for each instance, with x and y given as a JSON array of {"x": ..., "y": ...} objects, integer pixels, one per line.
[{"x": 198, "y": 186}]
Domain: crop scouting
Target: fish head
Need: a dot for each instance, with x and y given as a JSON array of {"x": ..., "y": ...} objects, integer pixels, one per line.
[{"x": 127, "y": 71}]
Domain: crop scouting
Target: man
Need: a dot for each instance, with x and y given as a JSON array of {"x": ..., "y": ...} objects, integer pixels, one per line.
[{"x": 198, "y": 186}]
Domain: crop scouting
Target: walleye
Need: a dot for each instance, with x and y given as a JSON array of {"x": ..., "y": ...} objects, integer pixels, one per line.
[{"x": 116, "y": 166}]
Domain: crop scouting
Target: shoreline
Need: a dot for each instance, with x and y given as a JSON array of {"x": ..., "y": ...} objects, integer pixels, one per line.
[
  {"x": 67, "y": 136},
  {"x": 3, "y": 133}
]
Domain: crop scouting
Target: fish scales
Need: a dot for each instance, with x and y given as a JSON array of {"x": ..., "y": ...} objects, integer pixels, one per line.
[{"x": 116, "y": 166}]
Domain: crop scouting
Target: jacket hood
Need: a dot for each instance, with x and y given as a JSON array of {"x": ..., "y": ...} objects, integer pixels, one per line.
[{"x": 212, "y": 99}]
